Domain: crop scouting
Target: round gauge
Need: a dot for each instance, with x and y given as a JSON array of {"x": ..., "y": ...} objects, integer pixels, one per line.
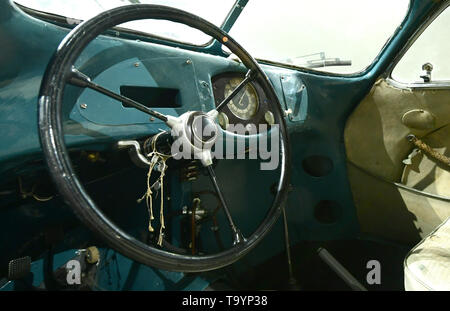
[
  {"x": 244, "y": 105},
  {"x": 223, "y": 120}
]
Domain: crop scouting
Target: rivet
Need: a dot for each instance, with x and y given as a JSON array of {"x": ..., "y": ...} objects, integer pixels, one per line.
[
  {"x": 188, "y": 62},
  {"x": 136, "y": 64},
  {"x": 152, "y": 119},
  {"x": 83, "y": 106}
]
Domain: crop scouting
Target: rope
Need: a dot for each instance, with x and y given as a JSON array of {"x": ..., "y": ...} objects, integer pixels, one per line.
[
  {"x": 427, "y": 149},
  {"x": 157, "y": 159}
]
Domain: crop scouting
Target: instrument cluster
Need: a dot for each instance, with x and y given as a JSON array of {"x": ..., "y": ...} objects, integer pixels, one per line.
[{"x": 249, "y": 106}]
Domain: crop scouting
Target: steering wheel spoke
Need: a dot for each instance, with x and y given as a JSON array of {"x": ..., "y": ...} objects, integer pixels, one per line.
[
  {"x": 249, "y": 76},
  {"x": 79, "y": 79},
  {"x": 237, "y": 235}
]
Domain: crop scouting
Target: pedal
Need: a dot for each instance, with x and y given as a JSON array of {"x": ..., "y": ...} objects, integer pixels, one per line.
[{"x": 19, "y": 268}]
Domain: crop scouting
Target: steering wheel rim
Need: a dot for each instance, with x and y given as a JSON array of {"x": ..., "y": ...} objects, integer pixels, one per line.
[{"x": 59, "y": 163}]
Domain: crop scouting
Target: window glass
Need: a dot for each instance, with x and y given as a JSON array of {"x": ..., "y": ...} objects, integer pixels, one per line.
[
  {"x": 213, "y": 11},
  {"x": 312, "y": 33},
  {"x": 432, "y": 46}
]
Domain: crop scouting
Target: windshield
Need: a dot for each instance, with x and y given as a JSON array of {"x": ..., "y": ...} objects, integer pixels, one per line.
[
  {"x": 336, "y": 36},
  {"x": 213, "y": 11}
]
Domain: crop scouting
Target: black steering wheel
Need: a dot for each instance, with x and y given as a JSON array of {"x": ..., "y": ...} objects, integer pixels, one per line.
[{"x": 61, "y": 70}]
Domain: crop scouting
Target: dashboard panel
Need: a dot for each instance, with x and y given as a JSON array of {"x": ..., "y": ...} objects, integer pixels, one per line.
[{"x": 196, "y": 81}]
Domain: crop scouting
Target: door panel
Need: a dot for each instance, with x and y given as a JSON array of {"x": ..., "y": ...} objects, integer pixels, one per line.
[
  {"x": 376, "y": 145},
  {"x": 425, "y": 173}
]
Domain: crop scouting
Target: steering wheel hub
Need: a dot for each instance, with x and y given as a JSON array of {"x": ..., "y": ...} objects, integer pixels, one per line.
[
  {"x": 195, "y": 133},
  {"x": 203, "y": 128}
]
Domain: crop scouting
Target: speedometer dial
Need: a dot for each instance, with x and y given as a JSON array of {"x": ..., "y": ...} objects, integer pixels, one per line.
[{"x": 245, "y": 104}]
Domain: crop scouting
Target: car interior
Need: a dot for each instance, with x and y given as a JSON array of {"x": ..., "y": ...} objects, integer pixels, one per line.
[{"x": 172, "y": 146}]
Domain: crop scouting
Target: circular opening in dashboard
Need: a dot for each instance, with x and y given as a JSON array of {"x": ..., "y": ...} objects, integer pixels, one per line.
[
  {"x": 327, "y": 211},
  {"x": 317, "y": 165}
]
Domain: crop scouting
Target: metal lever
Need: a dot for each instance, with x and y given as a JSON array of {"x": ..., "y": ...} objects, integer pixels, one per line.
[
  {"x": 293, "y": 284},
  {"x": 340, "y": 270},
  {"x": 135, "y": 152}
]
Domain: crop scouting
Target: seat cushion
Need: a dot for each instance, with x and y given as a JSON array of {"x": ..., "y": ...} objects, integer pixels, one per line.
[{"x": 427, "y": 265}]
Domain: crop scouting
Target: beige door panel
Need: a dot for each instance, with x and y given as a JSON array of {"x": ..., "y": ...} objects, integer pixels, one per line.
[
  {"x": 376, "y": 145},
  {"x": 386, "y": 210}
]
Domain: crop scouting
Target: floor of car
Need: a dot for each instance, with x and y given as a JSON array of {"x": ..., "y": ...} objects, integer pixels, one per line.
[{"x": 312, "y": 273}]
